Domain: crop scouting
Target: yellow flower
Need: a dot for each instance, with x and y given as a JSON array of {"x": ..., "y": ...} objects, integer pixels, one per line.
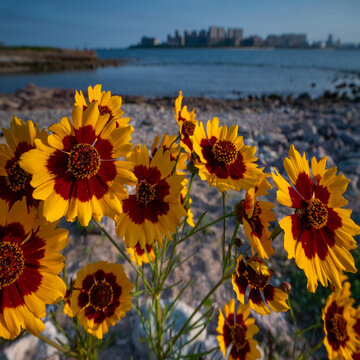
[
  {"x": 140, "y": 256},
  {"x": 168, "y": 143},
  {"x": 225, "y": 162},
  {"x": 319, "y": 234},
  {"x": 256, "y": 217},
  {"x": 187, "y": 123},
  {"x": 107, "y": 104},
  {"x": 30, "y": 262},
  {"x": 78, "y": 172},
  {"x": 340, "y": 341},
  {"x": 14, "y": 181},
  {"x": 236, "y": 331},
  {"x": 356, "y": 327},
  {"x": 101, "y": 296},
  {"x": 154, "y": 210},
  {"x": 256, "y": 275},
  {"x": 187, "y": 206}
]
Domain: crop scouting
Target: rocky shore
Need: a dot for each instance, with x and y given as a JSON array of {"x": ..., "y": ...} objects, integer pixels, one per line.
[
  {"x": 25, "y": 60},
  {"x": 327, "y": 126}
]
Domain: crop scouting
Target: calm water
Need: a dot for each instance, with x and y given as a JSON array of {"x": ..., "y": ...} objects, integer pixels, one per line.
[{"x": 217, "y": 73}]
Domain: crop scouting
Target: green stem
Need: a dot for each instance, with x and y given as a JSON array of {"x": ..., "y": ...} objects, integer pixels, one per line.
[
  {"x": 159, "y": 328},
  {"x": 277, "y": 231},
  {"x": 297, "y": 332},
  {"x": 56, "y": 345},
  {"x": 218, "y": 284},
  {"x": 205, "y": 226},
  {"x": 311, "y": 327},
  {"x": 224, "y": 232},
  {"x": 228, "y": 255},
  {"x": 123, "y": 255},
  {"x": 314, "y": 348}
]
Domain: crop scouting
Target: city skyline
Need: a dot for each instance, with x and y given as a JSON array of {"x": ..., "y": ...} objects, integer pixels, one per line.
[
  {"x": 220, "y": 36},
  {"x": 118, "y": 24}
]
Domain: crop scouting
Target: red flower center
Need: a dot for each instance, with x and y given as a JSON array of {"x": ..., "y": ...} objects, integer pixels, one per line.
[
  {"x": 224, "y": 151},
  {"x": 188, "y": 128},
  {"x": 316, "y": 213},
  {"x": 237, "y": 333},
  {"x": 256, "y": 212},
  {"x": 338, "y": 327},
  {"x": 11, "y": 263},
  {"x": 105, "y": 110},
  {"x": 145, "y": 192},
  {"x": 84, "y": 161},
  {"x": 257, "y": 274},
  {"x": 140, "y": 251},
  {"x": 100, "y": 295},
  {"x": 17, "y": 178}
]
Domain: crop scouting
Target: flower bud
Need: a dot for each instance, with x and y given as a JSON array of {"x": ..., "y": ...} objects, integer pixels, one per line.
[
  {"x": 285, "y": 286},
  {"x": 238, "y": 242},
  {"x": 239, "y": 211}
]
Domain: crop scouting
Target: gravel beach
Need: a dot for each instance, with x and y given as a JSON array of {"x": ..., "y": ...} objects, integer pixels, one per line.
[{"x": 328, "y": 126}]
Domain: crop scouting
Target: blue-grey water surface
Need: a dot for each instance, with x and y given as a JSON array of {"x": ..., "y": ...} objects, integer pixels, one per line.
[{"x": 214, "y": 73}]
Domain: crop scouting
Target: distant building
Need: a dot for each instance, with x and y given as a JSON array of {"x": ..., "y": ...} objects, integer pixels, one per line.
[
  {"x": 177, "y": 40},
  {"x": 286, "y": 41},
  {"x": 253, "y": 40},
  {"x": 234, "y": 37},
  {"x": 149, "y": 41},
  {"x": 330, "y": 41},
  {"x": 216, "y": 36},
  {"x": 194, "y": 39}
]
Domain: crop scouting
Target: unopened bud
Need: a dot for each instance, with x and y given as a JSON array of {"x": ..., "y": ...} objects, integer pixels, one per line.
[
  {"x": 192, "y": 168},
  {"x": 238, "y": 242},
  {"x": 285, "y": 286},
  {"x": 239, "y": 211}
]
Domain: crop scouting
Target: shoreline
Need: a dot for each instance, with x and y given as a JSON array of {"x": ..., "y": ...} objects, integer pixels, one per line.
[
  {"x": 35, "y": 60},
  {"x": 34, "y": 97}
]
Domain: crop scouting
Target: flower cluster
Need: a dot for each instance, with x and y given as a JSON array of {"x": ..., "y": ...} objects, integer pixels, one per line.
[{"x": 85, "y": 167}]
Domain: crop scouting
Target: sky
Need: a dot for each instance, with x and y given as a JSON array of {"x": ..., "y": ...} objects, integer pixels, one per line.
[{"x": 120, "y": 23}]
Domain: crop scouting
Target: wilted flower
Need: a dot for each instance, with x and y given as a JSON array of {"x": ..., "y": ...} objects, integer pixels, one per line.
[{"x": 256, "y": 275}]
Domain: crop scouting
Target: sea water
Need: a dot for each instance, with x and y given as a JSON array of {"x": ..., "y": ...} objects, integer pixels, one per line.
[{"x": 214, "y": 73}]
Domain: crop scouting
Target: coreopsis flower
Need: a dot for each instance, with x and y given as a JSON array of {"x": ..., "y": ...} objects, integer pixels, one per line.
[
  {"x": 107, "y": 104},
  {"x": 256, "y": 275},
  {"x": 187, "y": 123},
  {"x": 256, "y": 216},
  {"x": 167, "y": 142},
  {"x": 30, "y": 262},
  {"x": 14, "y": 181},
  {"x": 140, "y": 256},
  {"x": 225, "y": 162},
  {"x": 187, "y": 204},
  {"x": 67, "y": 308},
  {"x": 154, "y": 210},
  {"x": 341, "y": 340},
  {"x": 101, "y": 296},
  {"x": 356, "y": 327},
  {"x": 319, "y": 234},
  {"x": 236, "y": 331},
  {"x": 78, "y": 172}
]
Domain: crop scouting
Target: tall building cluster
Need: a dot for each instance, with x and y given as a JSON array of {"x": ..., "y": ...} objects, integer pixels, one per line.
[
  {"x": 218, "y": 36},
  {"x": 215, "y": 36}
]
